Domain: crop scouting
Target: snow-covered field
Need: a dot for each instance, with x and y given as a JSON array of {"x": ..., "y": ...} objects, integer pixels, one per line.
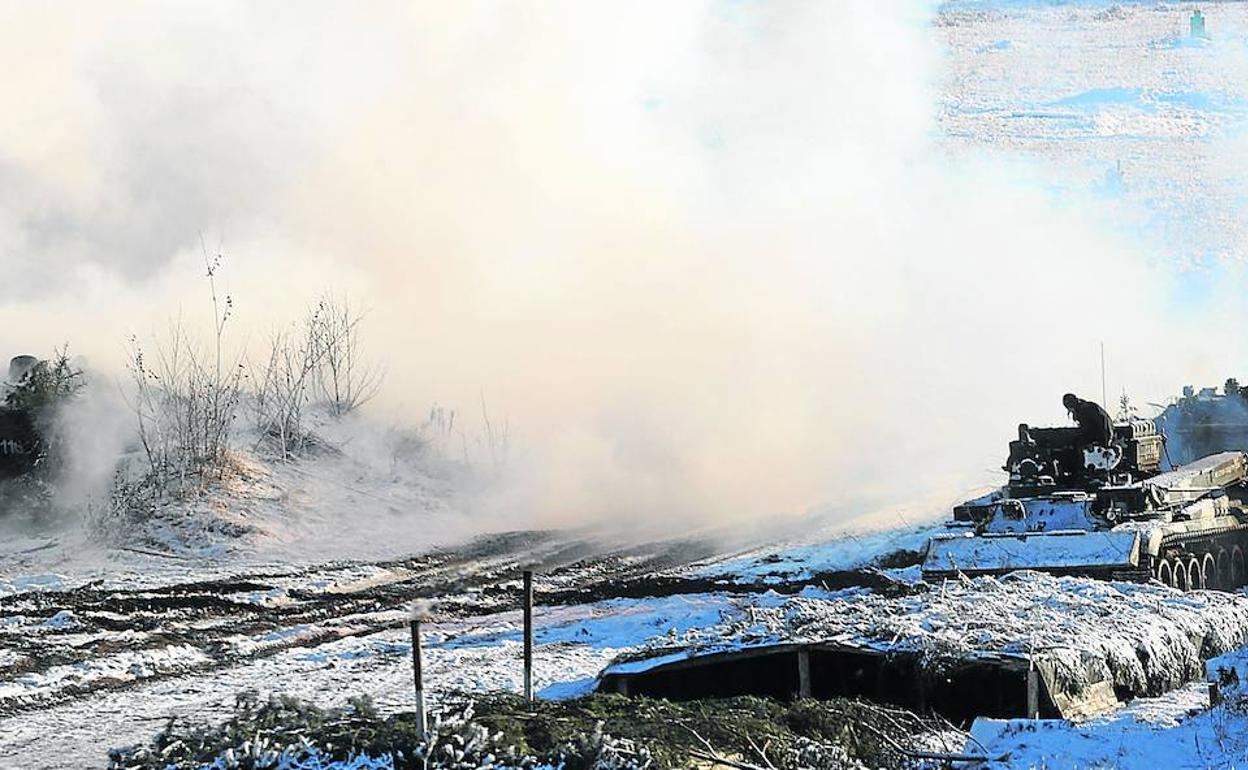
[
  {"x": 1114, "y": 100},
  {"x": 87, "y": 663},
  {"x": 90, "y": 662}
]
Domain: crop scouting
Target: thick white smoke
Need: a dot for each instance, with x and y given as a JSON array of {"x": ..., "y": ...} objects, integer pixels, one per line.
[{"x": 707, "y": 258}]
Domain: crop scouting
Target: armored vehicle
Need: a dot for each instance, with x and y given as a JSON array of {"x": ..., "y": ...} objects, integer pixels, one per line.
[
  {"x": 1205, "y": 421},
  {"x": 1121, "y": 511},
  {"x": 20, "y": 445}
]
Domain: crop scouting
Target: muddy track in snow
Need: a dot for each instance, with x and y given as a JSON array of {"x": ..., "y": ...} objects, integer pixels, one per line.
[
  {"x": 225, "y": 622},
  {"x": 665, "y": 585}
]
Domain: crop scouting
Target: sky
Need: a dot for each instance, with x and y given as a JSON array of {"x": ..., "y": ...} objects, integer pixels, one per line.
[{"x": 707, "y": 260}]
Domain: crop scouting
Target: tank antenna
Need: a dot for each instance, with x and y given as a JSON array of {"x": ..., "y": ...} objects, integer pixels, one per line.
[{"x": 1103, "y": 391}]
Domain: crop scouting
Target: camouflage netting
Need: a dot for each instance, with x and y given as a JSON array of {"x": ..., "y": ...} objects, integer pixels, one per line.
[{"x": 1145, "y": 639}]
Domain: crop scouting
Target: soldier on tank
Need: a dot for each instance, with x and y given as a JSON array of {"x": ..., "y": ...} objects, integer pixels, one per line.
[{"x": 1095, "y": 426}]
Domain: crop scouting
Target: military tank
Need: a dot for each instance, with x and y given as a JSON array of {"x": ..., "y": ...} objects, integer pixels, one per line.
[
  {"x": 1122, "y": 511},
  {"x": 20, "y": 444},
  {"x": 1204, "y": 421}
]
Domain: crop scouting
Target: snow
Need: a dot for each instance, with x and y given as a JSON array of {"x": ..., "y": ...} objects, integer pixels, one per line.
[
  {"x": 366, "y": 497},
  {"x": 328, "y": 672},
  {"x": 621, "y": 623},
  {"x": 481, "y": 652},
  {"x": 1176, "y": 731},
  {"x": 1145, "y": 639},
  {"x": 802, "y": 561},
  {"x": 314, "y": 760},
  {"x": 1080, "y": 87},
  {"x": 61, "y": 621},
  {"x": 117, "y": 668},
  {"x": 1228, "y": 673},
  {"x": 1052, "y": 550},
  {"x": 24, "y": 583}
]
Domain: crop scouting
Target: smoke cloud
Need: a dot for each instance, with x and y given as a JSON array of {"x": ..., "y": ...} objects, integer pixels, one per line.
[{"x": 707, "y": 259}]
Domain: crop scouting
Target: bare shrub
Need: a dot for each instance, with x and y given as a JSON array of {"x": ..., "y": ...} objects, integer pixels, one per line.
[
  {"x": 497, "y": 438},
  {"x": 443, "y": 432},
  {"x": 186, "y": 399},
  {"x": 283, "y": 383},
  {"x": 318, "y": 360},
  {"x": 344, "y": 379},
  {"x": 187, "y": 395},
  {"x": 439, "y": 427}
]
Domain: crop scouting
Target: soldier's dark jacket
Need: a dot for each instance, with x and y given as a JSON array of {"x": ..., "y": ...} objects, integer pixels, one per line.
[{"x": 1094, "y": 422}]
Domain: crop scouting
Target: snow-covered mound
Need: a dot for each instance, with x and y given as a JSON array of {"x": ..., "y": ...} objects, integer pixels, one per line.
[
  {"x": 1144, "y": 639},
  {"x": 363, "y": 489}
]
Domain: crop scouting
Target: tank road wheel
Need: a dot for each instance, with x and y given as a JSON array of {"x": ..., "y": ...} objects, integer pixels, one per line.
[
  {"x": 1194, "y": 581},
  {"x": 1237, "y": 568},
  {"x": 1165, "y": 575},
  {"x": 1224, "y": 570},
  {"x": 1178, "y": 571},
  {"x": 1209, "y": 572}
]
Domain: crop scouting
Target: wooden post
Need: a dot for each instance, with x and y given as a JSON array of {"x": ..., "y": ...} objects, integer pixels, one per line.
[
  {"x": 420, "y": 687},
  {"x": 803, "y": 673},
  {"x": 528, "y": 634},
  {"x": 1033, "y": 693}
]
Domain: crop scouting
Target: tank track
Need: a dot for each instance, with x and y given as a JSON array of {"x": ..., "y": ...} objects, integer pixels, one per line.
[{"x": 1202, "y": 560}]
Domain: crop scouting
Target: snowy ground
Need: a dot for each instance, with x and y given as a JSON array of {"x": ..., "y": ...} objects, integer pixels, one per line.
[
  {"x": 86, "y": 662},
  {"x": 1177, "y": 731},
  {"x": 1112, "y": 99},
  {"x": 87, "y": 665},
  {"x": 83, "y": 663}
]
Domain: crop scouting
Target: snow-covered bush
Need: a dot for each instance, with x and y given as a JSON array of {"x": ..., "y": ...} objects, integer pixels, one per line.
[
  {"x": 505, "y": 732},
  {"x": 286, "y": 734},
  {"x": 596, "y": 750},
  {"x": 456, "y": 742}
]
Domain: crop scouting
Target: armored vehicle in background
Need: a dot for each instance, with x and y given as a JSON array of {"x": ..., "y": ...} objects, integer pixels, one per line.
[
  {"x": 20, "y": 444},
  {"x": 1121, "y": 511},
  {"x": 1205, "y": 421}
]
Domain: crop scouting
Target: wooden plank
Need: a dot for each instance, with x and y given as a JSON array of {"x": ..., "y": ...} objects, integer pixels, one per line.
[
  {"x": 803, "y": 673},
  {"x": 1033, "y": 694}
]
